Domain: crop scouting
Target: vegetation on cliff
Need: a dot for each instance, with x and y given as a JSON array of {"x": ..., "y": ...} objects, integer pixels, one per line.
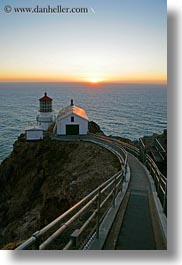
[{"x": 41, "y": 180}]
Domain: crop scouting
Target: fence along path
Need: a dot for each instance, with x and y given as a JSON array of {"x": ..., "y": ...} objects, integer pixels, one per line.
[
  {"x": 136, "y": 226},
  {"x": 139, "y": 224},
  {"x": 134, "y": 215},
  {"x": 83, "y": 220}
]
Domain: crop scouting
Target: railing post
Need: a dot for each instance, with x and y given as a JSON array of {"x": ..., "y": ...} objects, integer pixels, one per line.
[
  {"x": 150, "y": 166},
  {"x": 37, "y": 241},
  {"x": 114, "y": 193},
  {"x": 75, "y": 238},
  {"x": 164, "y": 199},
  {"x": 122, "y": 178},
  {"x": 158, "y": 184},
  {"x": 125, "y": 171},
  {"x": 98, "y": 213}
]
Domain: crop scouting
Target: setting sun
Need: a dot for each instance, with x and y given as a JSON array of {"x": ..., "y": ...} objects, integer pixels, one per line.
[
  {"x": 94, "y": 80},
  {"x": 125, "y": 52}
]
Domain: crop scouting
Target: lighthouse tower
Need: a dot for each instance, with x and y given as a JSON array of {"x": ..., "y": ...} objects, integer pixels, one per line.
[{"x": 45, "y": 118}]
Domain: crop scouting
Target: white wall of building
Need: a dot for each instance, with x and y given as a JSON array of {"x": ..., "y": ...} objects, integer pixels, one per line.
[
  {"x": 45, "y": 119},
  {"x": 32, "y": 135},
  {"x": 44, "y": 125},
  {"x": 61, "y": 124}
]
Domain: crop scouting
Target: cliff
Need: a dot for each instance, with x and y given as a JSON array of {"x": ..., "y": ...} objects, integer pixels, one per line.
[{"x": 41, "y": 180}]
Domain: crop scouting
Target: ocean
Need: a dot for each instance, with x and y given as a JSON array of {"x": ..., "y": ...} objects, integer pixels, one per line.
[{"x": 130, "y": 111}]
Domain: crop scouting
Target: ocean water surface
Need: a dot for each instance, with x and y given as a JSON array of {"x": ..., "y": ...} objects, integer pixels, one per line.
[{"x": 130, "y": 111}]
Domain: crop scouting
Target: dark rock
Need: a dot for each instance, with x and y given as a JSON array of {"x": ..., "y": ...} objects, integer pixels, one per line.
[
  {"x": 94, "y": 128},
  {"x": 36, "y": 182}
]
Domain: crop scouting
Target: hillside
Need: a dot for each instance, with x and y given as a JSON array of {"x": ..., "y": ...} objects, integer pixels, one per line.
[{"x": 40, "y": 180}]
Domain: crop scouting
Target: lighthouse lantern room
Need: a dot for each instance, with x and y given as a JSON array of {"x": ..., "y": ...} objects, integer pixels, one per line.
[{"x": 45, "y": 118}]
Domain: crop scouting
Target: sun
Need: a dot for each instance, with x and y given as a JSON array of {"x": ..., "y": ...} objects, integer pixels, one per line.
[{"x": 94, "y": 80}]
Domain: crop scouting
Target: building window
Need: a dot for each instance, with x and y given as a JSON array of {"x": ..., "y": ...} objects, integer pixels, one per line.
[
  {"x": 45, "y": 106},
  {"x": 72, "y": 119}
]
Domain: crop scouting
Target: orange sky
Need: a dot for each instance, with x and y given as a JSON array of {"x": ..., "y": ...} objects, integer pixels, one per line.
[
  {"x": 116, "y": 43},
  {"x": 44, "y": 77}
]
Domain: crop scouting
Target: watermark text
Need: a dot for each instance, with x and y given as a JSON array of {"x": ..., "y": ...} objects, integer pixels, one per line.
[{"x": 48, "y": 10}]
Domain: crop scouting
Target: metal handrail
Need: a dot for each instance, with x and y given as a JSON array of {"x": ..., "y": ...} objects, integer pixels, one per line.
[
  {"x": 43, "y": 238},
  {"x": 160, "y": 146},
  {"x": 159, "y": 179},
  {"x": 155, "y": 172},
  {"x": 102, "y": 194}
]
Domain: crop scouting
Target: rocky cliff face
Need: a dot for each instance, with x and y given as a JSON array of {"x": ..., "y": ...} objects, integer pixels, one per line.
[{"x": 41, "y": 180}]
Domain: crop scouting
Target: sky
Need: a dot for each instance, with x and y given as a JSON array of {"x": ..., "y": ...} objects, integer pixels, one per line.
[{"x": 116, "y": 41}]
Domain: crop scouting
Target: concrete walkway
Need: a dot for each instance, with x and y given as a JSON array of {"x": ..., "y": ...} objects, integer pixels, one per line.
[{"x": 134, "y": 226}]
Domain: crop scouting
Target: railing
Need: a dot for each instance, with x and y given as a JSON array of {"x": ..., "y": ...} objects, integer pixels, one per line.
[
  {"x": 160, "y": 149},
  {"x": 160, "y": 182},
  {"x": 159, "y": 179},
  {"x": 110, "y": 145},
  {"x": 115, "y": 142},
  {"x": 83, "y": 220}
]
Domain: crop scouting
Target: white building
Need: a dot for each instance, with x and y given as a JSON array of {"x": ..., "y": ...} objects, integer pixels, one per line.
[
  {"x": 72, "y": 120},
  {"x": 46, "y": 116},
  {"x": 34, "y": 133}
]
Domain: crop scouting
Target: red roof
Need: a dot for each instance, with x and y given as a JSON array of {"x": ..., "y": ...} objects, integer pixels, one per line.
[{"x": 45, "y": 98}]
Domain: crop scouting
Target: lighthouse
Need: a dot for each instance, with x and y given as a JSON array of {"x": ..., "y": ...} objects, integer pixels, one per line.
[{"x": 45, "y": 118}]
